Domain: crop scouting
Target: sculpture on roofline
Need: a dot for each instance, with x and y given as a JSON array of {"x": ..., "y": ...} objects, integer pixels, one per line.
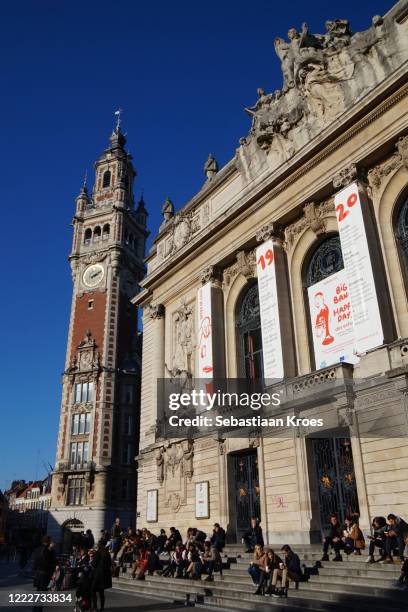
[{"x": 323, "y": 75}]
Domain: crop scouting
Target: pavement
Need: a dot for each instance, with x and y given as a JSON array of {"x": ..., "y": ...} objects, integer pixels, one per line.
[{"x": 12, "y": 580}]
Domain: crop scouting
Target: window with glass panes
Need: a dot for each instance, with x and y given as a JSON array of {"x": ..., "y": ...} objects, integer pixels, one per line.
[
  {"x": 76, "y": 492},
  {"x": 127, "y": 394},
  {"x": 128, "y": 425},
  {"x": 79, "y": 454},
  {"x": 80, "y": 423},
  {"x": 127, "y": 453},
  {"x": 84, "y": 392}
]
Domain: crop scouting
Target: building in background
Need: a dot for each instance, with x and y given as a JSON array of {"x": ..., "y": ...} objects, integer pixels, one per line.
[
  {"x": 28, "y": 506},
  {"x": 94, "y": 479},
  {"x": 257, "y": 276}
]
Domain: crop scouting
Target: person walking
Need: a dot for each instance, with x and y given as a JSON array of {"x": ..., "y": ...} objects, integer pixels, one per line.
[
  {"x": 44, "y": 564},
  {"x": 101, "y": 576}
]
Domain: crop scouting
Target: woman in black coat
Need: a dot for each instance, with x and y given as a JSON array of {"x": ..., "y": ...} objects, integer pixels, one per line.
[{"x": 101, "y": 575}]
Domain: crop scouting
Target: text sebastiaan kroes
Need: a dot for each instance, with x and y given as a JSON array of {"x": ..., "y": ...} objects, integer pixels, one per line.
[{"x": 205, "y": 405}]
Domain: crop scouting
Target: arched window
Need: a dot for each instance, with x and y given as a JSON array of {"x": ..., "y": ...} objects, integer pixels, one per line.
[
  {"x": 401, "y": 236},
  {"x": 324, "y": 261},
  {"x": 105, "y": 231},
  {"x": 106, "y": 179},
  {"x": 248, "y": 323},
  {"x": 97, "y": 234},
  {"x": 88, "y": 236}
]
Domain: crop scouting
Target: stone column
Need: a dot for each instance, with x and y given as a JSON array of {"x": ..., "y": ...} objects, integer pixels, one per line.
[
  {"x": 352, "y": 174},
  {"x": 273, "y": 231},
  {"x": 213, "y": 276},
  {"x": 157, "y": 314}
]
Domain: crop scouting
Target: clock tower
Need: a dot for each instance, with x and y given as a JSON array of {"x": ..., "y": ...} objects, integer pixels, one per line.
[{"x": 94, "y": 479}]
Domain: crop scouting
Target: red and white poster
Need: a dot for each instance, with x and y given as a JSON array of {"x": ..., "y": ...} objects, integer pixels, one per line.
[
  {"x": 205, "y": 339},
  {"x": 268, "y": 301},
  {"x": 332, "y": 321},
  {"x": 368, "y": 330}
]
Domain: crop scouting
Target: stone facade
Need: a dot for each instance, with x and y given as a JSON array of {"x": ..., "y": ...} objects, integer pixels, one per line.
[
  {"x": 94, "y": 477},
  {"x": 341, "y": 116}
]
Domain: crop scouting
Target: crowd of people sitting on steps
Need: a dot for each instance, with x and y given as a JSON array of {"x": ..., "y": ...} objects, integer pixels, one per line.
[
  {"x": 166, "y": 553},
  {"x": 89, "y": 568}
]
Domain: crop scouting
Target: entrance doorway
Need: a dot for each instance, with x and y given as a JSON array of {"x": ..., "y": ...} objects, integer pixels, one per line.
[
  {"x": 244, "y": 491},
  {"x": 335, "y": 477},
  {"x": 71, "y": 534}
]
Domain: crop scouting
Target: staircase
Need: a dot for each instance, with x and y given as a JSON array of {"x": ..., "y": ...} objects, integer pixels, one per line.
[{"x": 352, "y": 585}]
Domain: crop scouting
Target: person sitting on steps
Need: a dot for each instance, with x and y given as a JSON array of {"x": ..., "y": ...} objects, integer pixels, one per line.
[
  {"x": 353, "y": 536},
  {"x": 397, "y": 529},
  {"x": 253, "y": 536},
  {"x": 379, "y": 526},
  {"x": 210, "y": 559},
  {"x": 257, "y": 564},
  {"x": 272, "y": 562},
  {"x": 402, "y": 582},
  {"x": 289, "y": 569},
  {"x": 334, "y": 539}
]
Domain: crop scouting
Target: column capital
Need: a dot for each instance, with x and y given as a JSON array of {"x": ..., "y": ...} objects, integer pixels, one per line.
[
  {"x": 210, "y": 274},
  {"x": 270, "y": 230},
  {"x": 156, "y": 311},
  {"x": 347, "y": 175}
]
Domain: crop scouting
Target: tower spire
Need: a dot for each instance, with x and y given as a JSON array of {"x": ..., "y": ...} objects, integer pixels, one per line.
[{"x": 118, "y": 114}]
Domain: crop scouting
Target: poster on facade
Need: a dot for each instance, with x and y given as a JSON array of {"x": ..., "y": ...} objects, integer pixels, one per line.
[
  {"x": 332, "y": 321},
  {"x": 202, "y": 500},
  {"x": 205, "y": 355},
  {"x": 268, "y": 302},
  {"x": 368, "y": 330},
  {"x": 151, "y": 506}
]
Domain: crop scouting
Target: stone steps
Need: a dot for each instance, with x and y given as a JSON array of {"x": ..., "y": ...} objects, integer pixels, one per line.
[
  {"x": 242, "y": 596},
  {"x": 353, "y": 585}
]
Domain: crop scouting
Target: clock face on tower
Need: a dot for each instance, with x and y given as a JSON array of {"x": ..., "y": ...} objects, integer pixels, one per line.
[{"x": 93, "y": 275}]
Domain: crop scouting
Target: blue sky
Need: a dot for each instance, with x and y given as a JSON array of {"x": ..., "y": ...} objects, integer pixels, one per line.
[{"x": 183, "y": 72}]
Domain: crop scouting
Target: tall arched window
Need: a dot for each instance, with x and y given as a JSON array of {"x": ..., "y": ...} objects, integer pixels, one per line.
[
  {"x": 105, "y": 231},
  {"x": 401, "y": 236},
  {"x": 88, "y": 236},
  {"x": 97, "y": 234},
  {"x": 106, "y": 179},
  {"x": 324, "y": 261},
  {"x": 248, "y": 323}
]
